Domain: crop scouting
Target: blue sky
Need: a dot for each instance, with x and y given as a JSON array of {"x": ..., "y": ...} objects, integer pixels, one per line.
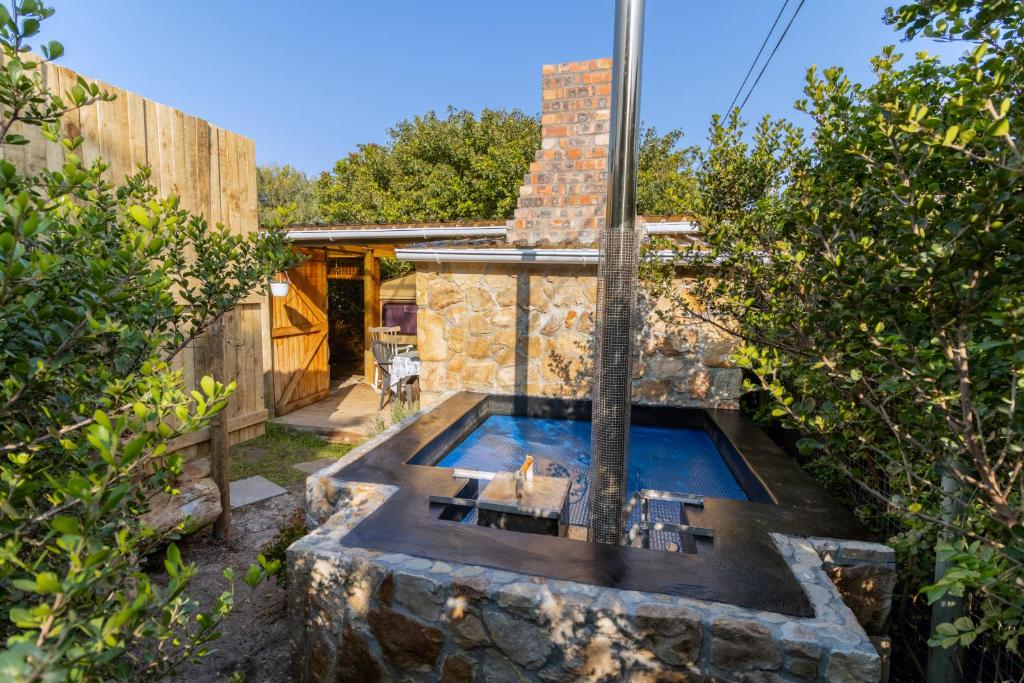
[{"x": 309, "y": 81}]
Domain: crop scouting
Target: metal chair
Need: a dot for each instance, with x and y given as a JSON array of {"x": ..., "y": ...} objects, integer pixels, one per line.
[
  {"x": 382, "y": 355},
  {"x": 388, "y": 337}
]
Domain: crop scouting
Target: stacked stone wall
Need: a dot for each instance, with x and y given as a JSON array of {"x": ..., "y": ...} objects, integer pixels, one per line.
[
  {"x": 362, "y": 615},
  {"x": 527, "y": 329}
]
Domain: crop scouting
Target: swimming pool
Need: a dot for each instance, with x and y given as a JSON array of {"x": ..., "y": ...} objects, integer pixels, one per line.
[
  {"x": 765, "y": 493},
  {"x": 673, "y": 459}
]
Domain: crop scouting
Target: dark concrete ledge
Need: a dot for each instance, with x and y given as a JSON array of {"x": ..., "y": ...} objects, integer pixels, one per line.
[{"x": 742, "y": 566}]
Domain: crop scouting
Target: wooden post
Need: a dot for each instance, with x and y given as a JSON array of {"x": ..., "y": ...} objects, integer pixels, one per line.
[
  {"x": 219, "y": 459},
  {"x": 371, "y": 308},
  {"x": 267, "y": 328}
]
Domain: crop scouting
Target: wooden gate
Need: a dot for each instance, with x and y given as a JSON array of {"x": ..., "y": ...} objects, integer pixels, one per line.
[{"x": 299, "y": 334}]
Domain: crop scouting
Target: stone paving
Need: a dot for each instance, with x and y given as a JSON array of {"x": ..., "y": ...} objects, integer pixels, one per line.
[
  {"x": 253, "y": 490},
  {"x": 346, "y": 415}
]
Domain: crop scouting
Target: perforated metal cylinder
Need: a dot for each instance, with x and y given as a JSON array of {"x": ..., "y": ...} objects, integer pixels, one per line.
[{"x": 616, "y": 287}]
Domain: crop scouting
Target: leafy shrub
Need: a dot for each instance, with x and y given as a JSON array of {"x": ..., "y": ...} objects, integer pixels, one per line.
[
  {"x": 274, "y": 550},
  {"x": 873, "y": 273},
  {"x": 100, "y": 286}
]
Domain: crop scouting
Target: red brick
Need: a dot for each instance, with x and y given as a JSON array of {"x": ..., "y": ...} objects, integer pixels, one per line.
[{"x": 563, "y": 197}]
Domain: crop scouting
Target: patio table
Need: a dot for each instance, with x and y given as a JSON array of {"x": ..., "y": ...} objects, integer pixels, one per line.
[{"x": 404, "y": 367}]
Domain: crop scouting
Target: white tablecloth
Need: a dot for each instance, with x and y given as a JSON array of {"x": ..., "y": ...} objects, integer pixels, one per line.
[{"x": 404, "y": 365}]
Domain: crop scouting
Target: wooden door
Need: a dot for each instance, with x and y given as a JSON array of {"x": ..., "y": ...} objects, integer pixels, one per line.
[{"x": 299, "y": 335}]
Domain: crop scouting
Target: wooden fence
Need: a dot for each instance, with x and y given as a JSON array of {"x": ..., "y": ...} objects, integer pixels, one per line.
[{"x": 213, "y": 171}]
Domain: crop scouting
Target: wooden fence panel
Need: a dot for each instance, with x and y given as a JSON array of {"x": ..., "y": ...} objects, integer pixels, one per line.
[{"x": 213, "y": 172}]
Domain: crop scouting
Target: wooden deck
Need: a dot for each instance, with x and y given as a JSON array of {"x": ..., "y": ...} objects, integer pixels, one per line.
[{"x": 346, "y": 415}]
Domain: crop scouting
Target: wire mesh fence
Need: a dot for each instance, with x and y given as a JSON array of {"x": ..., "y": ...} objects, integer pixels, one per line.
[{"x": 613, "y": 354}]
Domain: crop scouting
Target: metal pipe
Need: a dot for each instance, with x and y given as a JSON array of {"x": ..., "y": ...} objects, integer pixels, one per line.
[
  {"x": 677, "y": 228},
  {"x": 616, "y": 282},
  {"x": 385, "y": 233},
  {"x": 504, "y": 255},
  {"x": 530, "y": 256}
]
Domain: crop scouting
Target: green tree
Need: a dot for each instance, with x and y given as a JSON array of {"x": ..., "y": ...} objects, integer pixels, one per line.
[
  {"x": 100, "y": 286},
  {"x": 464, "y": 167},
  {"x": 666, "y": 180},
  {"x": 433, "y": 168},
  {"x": 285, "y": 186},
  {"x": 873, "y": 274}
]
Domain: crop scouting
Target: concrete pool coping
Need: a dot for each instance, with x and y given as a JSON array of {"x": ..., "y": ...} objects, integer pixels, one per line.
[{"x": 744, "y": 567}]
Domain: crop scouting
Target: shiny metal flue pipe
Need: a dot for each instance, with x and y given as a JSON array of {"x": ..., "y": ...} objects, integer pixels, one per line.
[{"x": 617, "y": 280}]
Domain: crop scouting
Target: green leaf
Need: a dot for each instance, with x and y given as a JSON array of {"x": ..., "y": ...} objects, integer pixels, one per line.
[
  {"x": 25, "y": 585},
  {"x": 963, "y": 624},
  {"x": 47, "y": 583},
  {"x": 66, "y": 525},
  {"x": 139, "y": 215},
  {"x": 253, "y": 576},
  {"x": 999, "y": 128}
]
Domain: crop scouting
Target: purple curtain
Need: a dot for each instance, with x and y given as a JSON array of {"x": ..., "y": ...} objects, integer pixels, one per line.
[{"x": 403, "y": 315}]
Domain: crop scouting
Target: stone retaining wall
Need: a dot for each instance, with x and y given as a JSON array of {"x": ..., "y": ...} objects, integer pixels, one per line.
[
  {"x": 510, "y": 328},
  {"x": 361, "y": 615}
]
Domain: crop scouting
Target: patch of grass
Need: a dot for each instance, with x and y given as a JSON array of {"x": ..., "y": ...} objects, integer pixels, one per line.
[
  {"x": 275, "y": 549},
  {"x": 273, "y": 454}
]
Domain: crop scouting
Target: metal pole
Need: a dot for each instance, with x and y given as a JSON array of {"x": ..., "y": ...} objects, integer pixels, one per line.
[
  {"x": 945, "y": 665},
  {"x": 616, "y": 284}
]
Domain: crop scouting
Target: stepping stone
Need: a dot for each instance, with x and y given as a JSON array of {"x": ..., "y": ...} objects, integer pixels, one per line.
[
  {"x": 313, "y": 465},
  {"x": 253, "y": 490}
]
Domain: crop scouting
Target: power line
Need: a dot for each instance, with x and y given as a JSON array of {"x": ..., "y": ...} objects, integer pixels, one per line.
[
  {"x": 774, "y": 50},
  {"x": 758, "y": 56}
]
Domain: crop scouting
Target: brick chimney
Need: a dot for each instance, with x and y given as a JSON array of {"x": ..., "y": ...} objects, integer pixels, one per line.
[{"x": 562, "y": 199}]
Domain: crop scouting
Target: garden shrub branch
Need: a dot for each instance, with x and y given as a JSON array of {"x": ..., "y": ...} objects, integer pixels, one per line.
[
  {"x": 871, "y": 270},
  {"x": 101, "y": 285}
]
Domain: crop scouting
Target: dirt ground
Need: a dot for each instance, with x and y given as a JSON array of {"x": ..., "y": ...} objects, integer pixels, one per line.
[{"x": 255, "y": 634}]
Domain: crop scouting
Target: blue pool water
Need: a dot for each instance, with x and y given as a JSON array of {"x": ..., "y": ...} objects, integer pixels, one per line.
[{"x": 662, "y": 458}]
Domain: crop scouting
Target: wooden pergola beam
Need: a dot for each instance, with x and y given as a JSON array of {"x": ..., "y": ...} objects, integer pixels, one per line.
[
  {"x": 371, "y": 308},
  {"x": 346, "y": 251}
]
